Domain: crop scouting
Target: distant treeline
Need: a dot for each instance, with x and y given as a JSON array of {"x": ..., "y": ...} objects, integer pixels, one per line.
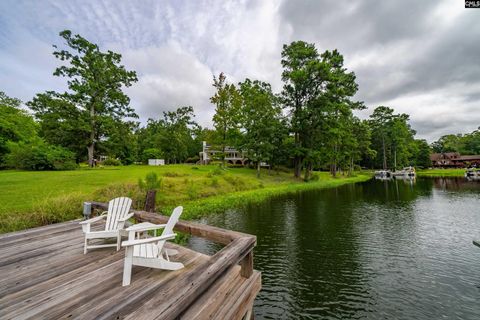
[{"x": 308, "y": 125}]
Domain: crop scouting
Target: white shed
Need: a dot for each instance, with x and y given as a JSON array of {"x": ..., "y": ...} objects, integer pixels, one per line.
[{"x": 156, "y": 162}]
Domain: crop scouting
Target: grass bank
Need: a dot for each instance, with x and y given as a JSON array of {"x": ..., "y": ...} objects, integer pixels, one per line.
[
  {"x": 441, "y": 173},
  {"x": 29, "y": 199}
]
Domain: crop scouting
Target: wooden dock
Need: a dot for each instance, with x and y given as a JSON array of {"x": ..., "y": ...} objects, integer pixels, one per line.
[{"x": 45, "y": 275}]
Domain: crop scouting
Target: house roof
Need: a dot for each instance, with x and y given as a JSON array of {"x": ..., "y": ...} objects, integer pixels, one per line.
[
  {"x": 455, "y": 156},
  {"x": 469, "y": 157}
]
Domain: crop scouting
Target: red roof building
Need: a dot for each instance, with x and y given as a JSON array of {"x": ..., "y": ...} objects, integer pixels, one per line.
[{"x": 454, "y": 160}]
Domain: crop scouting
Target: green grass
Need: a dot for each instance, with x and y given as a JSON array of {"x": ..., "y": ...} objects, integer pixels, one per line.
[
  {"x": 441, "y": 173},
  {"x": 29, "y": 199}
]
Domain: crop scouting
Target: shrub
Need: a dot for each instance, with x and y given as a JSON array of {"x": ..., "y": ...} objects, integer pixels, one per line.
[
  {"x": 217, "y": 171},
  {"x": 192, "y": 189},
  {"x": 151, "y": 182},
  {"x": 151, "y": 153},
  {"x": 238, "y": 183},
  {"x": 112, "y": 162},
  {"x": 193, "y": 159},
  {"x": 38, "y": 155},
  {"x": 214, "y": 182}
]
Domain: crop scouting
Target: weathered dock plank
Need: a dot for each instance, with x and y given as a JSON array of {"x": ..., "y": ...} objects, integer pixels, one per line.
[{"x": 45, "y": 275}]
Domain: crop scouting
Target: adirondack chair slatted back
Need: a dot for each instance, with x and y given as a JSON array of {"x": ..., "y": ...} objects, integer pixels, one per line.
[
  {"x": 172, "y": 221},
  {"x": 118, "y": 208}
]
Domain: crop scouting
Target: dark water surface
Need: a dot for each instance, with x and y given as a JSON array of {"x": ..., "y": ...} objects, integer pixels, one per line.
[{"x": 376, "y": 250}]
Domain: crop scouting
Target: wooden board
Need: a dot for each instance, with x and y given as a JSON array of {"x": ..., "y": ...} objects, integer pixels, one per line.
[{"x": 45, "y": 275}]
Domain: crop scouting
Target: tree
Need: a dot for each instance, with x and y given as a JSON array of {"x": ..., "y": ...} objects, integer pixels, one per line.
[
  {"x": 95, "y": 81},
  {"x": 121, "y": 142},
  {"x": 61, "y": 123},
  {"x": 448, "y": 143},
  {"x": 15, "y": 124},
  {"x": 318, "y": 92},
  {"x": 392, "y": 138},
  {"x": 173, "y": 137},
  {"x": 227, "y": 101},
  {"x": 304, "y": 77},
  {"x": 178, "y": 130},
  {"x": 261, "y": 121},
  {"x": 422, "y": 155},
  {"x": 340, "y": 89}
]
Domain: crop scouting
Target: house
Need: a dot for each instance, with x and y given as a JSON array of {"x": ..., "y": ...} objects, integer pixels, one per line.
[
  {"x": 232, "y": 156},
  {"x": 454, "y": 160}
]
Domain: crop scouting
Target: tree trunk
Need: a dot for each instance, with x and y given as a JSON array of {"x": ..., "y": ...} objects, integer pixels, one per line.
[
  {"x": 258, "y": 169},
  {"x": 150, "y": 200},
  {"x": 223, "y": 146},
  {"x": 308, "y": 171},
  {"x": 91, "y": 147},
  {"x": 384, "y": 155},
  {"x": 298, "y": 167},
  {"x": 351, "y": 167},
  {"x": 297, "y": 160},
  {"x": 395, "y": 159},
  {"x": 334, "y": 169}
]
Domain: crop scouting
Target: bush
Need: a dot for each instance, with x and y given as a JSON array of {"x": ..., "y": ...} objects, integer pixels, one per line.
[
  {"x": 151, "y": 182},
  {"x": 151, "y": 153},
  {"x": 214, "y": 183},
  {"x": 112, "y": 162},
  {"x": 217, "y": 171},
  {"x": 192, "y": 189},
  {"x": 38, "y": 155},
  {"x": 193, "y": 159}
]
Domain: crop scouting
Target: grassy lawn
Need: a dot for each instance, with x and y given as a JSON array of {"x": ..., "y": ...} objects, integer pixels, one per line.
[
  {"x": 441, "y": 173},
  {"x": 29, "y": 199}
]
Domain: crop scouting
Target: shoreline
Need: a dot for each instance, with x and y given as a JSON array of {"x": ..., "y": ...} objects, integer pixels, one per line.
[
  {"x": 43, "y": 198},
  {"x": 203, "y": 207},
  {"x": 441, "y": 173}
]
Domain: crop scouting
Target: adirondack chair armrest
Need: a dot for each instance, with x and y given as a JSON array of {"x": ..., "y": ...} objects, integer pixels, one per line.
[
  {"x": 126, "y": 217},
  {"x": 93, "y": 219},
  {"x": 86, "y": 224},
  {"x": 130, "y": 243},
  {"x": 141, "y": 228}
]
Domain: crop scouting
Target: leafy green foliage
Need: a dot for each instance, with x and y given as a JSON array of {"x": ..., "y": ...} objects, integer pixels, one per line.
[
  {"x": 15, "y": 124},
  {"x": 318, "y": 92},
  {"x": 465, "y": 144},
  {"x": 95, "y": 98},
  {"x": 173, "y": 138},
  {"x": 112, "y": 162},
  {"x": 227, "y": 101},
  {"x": 263, "y": 126},
  {"x": 392, "y": 138},
  {"x": 38, "y": 155},
  {"x": 151, "y": 182},
  {"x": 422, "y": 154}
]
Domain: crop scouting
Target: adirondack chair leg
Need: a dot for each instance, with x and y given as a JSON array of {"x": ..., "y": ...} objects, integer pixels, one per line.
[
  {"x": 127, "y": 267},
  {"x": 119, "y": 240},
  {"x": 85, "y": 246}
]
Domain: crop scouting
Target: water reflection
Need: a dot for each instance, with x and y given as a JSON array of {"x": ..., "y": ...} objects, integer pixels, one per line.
[{"x": 379, "y": 250}]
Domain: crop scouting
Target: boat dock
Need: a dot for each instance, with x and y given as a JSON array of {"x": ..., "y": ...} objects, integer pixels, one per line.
[{"x": 45, "y": 275}]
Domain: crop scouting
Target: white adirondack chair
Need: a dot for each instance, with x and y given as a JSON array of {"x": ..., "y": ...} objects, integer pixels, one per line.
[
  {"x": 118, "y": 212},
  {"x": 150, "y": 252}
]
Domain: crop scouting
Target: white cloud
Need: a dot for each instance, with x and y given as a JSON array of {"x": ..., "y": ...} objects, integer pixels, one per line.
[{"x": 417, "y": 57}]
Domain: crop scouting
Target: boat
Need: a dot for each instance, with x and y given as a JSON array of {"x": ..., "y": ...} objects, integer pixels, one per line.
[
  {"x": 383, "y": 174},
  {"x": 472, "y": 174},
  {"x": 407, "y": 172}
]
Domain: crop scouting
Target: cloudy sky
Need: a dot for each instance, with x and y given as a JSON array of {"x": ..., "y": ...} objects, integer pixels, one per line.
[{"x": 419, "y": 57}]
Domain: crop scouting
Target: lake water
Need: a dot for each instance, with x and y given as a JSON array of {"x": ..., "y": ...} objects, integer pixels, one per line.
[{"x": 376, "y": 250}]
